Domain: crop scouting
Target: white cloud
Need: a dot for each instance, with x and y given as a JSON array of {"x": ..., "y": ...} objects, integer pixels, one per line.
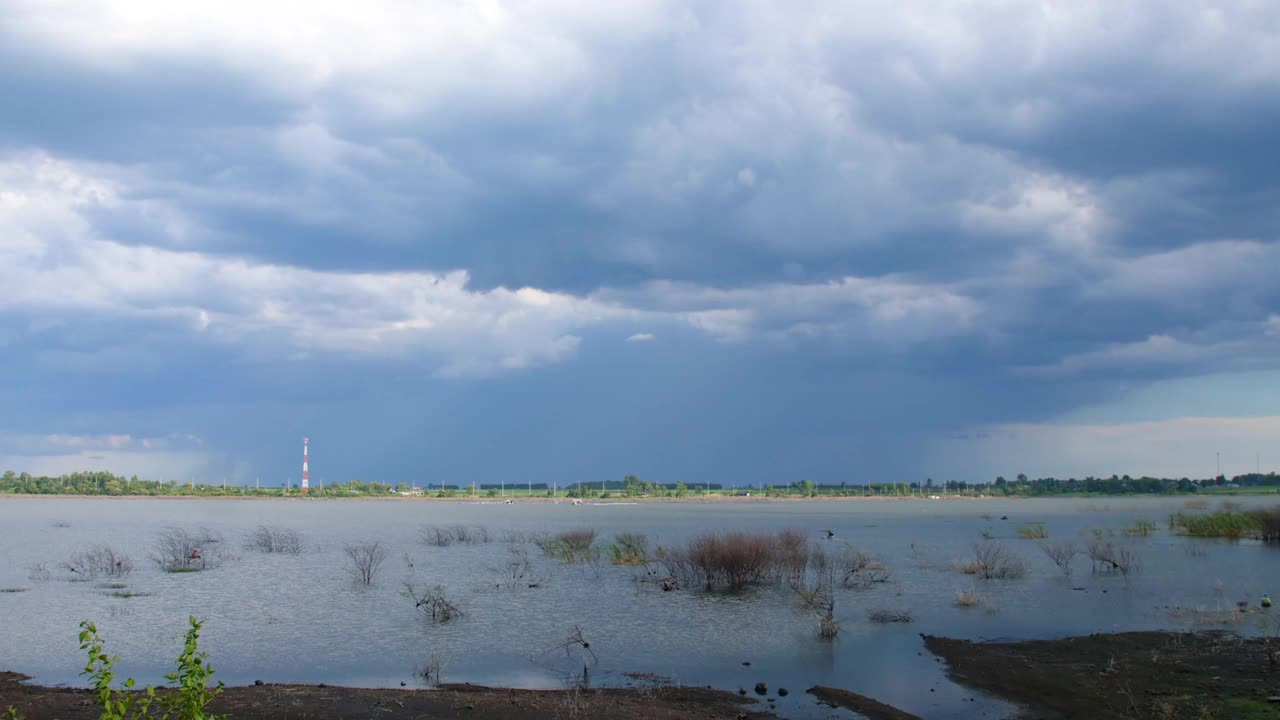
[
  {"x": 46, "y": 204},
  {"x": 641, "y": 337},
  {"x": 1184, "y": 271},
  {"x": 882, "y": 311}
]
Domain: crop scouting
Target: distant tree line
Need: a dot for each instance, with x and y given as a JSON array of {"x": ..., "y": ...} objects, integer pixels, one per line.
[{"x": 105, "y": 483}]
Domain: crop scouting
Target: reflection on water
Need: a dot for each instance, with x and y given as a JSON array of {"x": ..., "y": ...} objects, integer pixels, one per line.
[{"x": 298, "y": 618}]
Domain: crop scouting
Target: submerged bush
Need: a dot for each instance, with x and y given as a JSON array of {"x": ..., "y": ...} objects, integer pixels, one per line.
[
  {"x": 968, "y": 599},
  {"x": 363, "y": 560},
  {"x": 179, "y": 550},
  {"x": 816, "y": 589},
  {"x": 274, "y": 540},
  {"x": 432, "y": 603},
  {"x": 98, "y": 561},
  {"x": 861, "y": 570},
  {"x": 444, "y": 536},
  {"x": 991, "y": 560},
  {"x": 886, "y": 615},
  {"x": 790, "y": 553},
  {"x": 732, "y": 560},
  {"x": 1061, "y": 554},
  {"x": 1106, "y": 556}
]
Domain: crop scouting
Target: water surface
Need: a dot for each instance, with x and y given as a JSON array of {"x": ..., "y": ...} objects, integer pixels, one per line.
[{"x": 283, "y": 618}]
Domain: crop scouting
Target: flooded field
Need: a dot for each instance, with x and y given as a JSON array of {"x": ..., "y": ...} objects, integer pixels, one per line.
[{"x": 286, "y": 617}]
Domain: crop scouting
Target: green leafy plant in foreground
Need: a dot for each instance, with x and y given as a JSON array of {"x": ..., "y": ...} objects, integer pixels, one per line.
[
  {"x": 100, "y": 671},
  {"x": 12, "y": 713},
  {"x": 191, "y": 695},
  {"x": 192, "y": 680}
]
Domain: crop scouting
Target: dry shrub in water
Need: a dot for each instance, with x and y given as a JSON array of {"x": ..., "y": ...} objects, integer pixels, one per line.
[
  {"x": 861, "y": 570},
  {"x": 886, "y": 615},
  {"x": 1061, "y": 554},
  {"x": 790, "y": 553},
  {"x": 731, "y": 560},
  {"x": 515, "y": 537},
  {"x": 38, "y": 572},
  {"x": 180, "y": 550},
  {"x": 432, "y": 603},
  {"x": 274, "y": 540},
  {"x": 99, "y": 561},
  {"x": 1106, "y": 556},
  {"x": 969, "y": 599},
  {"x": 1268, "y": 524},
  {"x": 519, "y": 570},
  {"x": 364, "y": 559},
  {"x": 992, "y": 560},
  {"x": 816, "y": 589},
  {"x": 431, "y": 670},
  {"x": 444, "y": 536}
]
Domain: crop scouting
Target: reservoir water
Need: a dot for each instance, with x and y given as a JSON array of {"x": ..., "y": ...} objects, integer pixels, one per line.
[{"x": 299, "y": 618}]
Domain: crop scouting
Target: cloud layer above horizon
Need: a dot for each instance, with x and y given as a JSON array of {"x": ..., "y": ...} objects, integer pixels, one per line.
[{"x": 567, "y": 241}]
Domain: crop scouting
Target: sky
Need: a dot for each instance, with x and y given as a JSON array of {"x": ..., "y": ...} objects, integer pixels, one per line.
[{"x": 693, "y": 241}]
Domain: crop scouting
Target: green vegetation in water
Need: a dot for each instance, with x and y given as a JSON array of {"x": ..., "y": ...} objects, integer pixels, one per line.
[
  {"x": 14, "y": 590},
  {"x": 1230, "y": 523},
  {"x": 629, "y": 549},
  {"x": 1033, "y": 531},
  {"x": 571, "y": 546},
  {"x": 115, "y": 586},
  {"x": 126, "y": 594},
  {"x": 188, "y": 701},
  {"x": 1141, "y": 528}
]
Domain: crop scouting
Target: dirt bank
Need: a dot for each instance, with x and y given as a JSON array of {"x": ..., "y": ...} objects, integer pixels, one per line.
[
  {"x": 303, "y": 702},
  {"x": 1156, "y": 675},
  {"x": 861, "y": 704}
]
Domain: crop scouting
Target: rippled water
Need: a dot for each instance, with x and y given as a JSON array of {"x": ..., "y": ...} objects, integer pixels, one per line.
[{"x": 282, "y": 618}]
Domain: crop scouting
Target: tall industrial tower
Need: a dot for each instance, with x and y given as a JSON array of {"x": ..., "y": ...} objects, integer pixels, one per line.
[{"x": 305, "y": 476}]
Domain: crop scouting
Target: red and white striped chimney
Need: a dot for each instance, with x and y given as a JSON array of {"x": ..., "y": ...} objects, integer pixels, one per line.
[{"x": 305, "y": 476}]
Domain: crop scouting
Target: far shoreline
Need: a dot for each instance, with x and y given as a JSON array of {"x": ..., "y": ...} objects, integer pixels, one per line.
[{"x": 715, "y": 498}]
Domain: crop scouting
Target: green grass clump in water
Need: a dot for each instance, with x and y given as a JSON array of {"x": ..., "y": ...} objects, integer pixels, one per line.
[
  {"x": 1033, "y": 531},
  {"x": 182, "y": 569},
  {"x": 14, "y": 590},
  {"x": 1224, "y": 524},
  {"x": 125, "y": 594},
  {"x": 629, "y": 549},
  {"x": 1141, "y": 528}
]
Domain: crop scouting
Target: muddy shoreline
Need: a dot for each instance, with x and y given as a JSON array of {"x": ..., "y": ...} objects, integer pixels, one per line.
[
  {"x": 1157, "y": 675},
  {"x": 448, "y": 702}
]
